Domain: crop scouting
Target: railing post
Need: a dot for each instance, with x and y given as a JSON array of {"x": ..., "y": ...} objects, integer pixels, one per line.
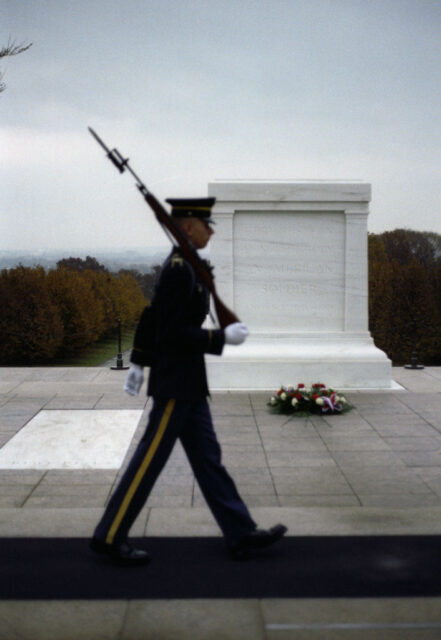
[{"x": 119, "y": 357}]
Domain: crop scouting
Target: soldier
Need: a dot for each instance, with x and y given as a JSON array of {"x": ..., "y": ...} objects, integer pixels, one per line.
[{"x": 178, "y": 386}]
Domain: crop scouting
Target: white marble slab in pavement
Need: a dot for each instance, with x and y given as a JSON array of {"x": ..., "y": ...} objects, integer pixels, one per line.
[{"x": 74, "y": 439}]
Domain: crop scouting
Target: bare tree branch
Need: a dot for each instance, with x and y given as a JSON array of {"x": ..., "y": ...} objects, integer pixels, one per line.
[{"x": 11, "y": 49}]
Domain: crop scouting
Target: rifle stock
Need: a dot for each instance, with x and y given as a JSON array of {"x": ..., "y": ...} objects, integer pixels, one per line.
[{"x": 224, "y": 315}]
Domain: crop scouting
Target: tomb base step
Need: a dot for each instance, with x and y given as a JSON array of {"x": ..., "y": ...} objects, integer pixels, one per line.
[{"x": 266, "y": 361}]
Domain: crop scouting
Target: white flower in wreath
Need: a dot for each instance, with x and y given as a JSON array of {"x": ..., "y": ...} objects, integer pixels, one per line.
[
  {"x": 283, "y": 396},
  {"x": 294, "y": 401},
  {"x": 273, "y": 401},
  {"x": 320, "y": 402}
]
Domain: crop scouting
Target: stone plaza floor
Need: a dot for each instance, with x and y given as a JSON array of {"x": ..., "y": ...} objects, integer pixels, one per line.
[{"x": 375, "y": 470}]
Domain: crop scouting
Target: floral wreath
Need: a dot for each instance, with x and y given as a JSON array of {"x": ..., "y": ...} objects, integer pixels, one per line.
[{"x": 319, "y": 399}]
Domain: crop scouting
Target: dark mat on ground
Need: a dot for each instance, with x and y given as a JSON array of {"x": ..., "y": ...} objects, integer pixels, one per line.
[{"x": 297, "y": 567}]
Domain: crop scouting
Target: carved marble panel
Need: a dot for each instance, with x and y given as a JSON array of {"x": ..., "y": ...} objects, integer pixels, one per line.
[{"x": 289, "y": 270}]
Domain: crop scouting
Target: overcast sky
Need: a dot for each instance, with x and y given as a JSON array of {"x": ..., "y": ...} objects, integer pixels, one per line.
[{"x": 198, "y": 90}]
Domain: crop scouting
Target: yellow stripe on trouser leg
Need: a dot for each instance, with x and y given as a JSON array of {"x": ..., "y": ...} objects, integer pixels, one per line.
[{"x": 141, "y": 471}]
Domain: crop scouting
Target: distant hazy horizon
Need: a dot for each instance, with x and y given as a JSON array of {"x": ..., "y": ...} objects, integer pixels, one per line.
[
  {"x": 150, "y": 250},
  {"x": 146, "y": 250}
]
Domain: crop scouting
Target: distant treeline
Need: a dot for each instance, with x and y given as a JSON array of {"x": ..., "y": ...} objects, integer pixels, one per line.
[
  {"x": 46, "y": 315},
  {"x": 405, "y": 294}
]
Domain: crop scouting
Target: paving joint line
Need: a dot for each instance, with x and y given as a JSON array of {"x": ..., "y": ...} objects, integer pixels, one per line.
[
  {"x": 15, "y": 387},
  {"x": 147, "y": 519},
  {"x": 124, "y": 618},
  {"x": 422, "y": 417},
  {"x": 34, "y": 489},
  {"x": 337, "y": 464},
  {"x": 265, "y": 453},
  {"x": 46, "y": 403},
  {"x": 261, "y": 615},
  {"x": 22, "y": 426},
  {"x": 350, "y": 626},
  {"x": 98, "y": 401},
  {"x": 407, "y": 467}
]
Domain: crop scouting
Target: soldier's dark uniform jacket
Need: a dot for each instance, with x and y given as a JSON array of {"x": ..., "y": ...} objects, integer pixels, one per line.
[{"x": 170, "y": 337}]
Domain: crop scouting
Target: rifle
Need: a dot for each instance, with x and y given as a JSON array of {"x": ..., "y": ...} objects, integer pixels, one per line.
[{"x": 225, "y": 316}]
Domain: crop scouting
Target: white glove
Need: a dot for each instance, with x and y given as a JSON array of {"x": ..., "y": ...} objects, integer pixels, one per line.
[
  {"x": 236, "y": 333},
  {"x": 134, "y": 380}
]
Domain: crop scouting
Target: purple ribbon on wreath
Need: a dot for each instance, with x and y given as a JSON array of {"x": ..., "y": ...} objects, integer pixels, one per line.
[{"x": 331, "y": 404}]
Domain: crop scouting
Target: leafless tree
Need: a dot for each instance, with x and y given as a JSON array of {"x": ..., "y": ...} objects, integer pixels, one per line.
[{"x": 11, "y": 49}]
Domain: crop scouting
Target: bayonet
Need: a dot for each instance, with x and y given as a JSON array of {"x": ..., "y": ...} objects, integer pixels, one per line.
[{"x": 225, "y": 315}]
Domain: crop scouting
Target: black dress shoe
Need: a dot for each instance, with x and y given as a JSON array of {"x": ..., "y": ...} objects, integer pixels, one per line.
[
  {"x": 257, "y": 539},
  {"x": 123, "y": 554}
]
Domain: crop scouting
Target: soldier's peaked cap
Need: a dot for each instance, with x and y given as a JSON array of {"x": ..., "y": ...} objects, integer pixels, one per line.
[{"x": 192, "y": 208}]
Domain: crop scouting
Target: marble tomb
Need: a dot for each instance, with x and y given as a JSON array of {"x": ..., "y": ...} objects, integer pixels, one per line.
[{"x": 291, "y": 260}]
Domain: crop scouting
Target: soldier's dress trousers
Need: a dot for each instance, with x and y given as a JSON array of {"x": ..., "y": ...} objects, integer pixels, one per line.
[{"x": 178, "y": 386}]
